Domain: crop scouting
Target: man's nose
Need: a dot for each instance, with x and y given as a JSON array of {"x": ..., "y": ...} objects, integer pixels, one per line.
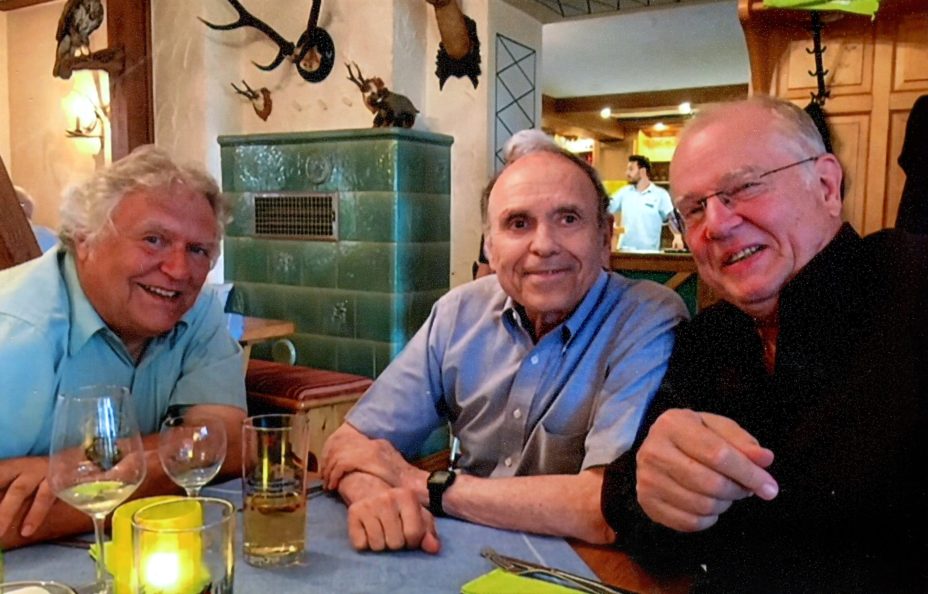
[
  {"x": 720, "y": 217},
  {"x": 176, "y": 263},
  {"x": 545, "y": 241}
]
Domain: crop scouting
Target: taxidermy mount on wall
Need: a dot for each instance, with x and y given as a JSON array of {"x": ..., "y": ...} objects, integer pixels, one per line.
[
  {"x": 313, "y": 54},
  {"x": 80, "y": 18},
  {"x": 389, "y": 108}
]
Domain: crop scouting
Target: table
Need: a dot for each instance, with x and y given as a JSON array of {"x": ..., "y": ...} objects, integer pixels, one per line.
[{"x": 331, "y": 565}]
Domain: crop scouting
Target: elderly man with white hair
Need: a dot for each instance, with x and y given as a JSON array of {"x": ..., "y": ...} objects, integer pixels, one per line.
[
  {"x": 787, "y": 450},
  {"x": 120, "y": 303}
]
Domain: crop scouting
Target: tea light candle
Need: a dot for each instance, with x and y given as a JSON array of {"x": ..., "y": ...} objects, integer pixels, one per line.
[{"x": 169, "y": 546}]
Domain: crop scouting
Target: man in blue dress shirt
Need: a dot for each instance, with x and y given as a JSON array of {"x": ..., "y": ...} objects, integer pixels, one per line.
[
  {"x": 542, "y": 370},
  {"x": 119, "y": 302}
]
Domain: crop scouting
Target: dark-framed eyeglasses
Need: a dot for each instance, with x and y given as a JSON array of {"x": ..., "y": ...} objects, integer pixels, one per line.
[{"x": 690, "y": 212}]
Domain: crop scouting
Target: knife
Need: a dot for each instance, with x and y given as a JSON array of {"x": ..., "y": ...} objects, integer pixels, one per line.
[{"x": 537, "y": 571}]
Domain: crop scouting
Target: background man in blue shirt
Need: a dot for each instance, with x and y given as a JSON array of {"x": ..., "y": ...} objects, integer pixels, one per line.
[
  {"x": 119, "y": 302},
  {"x": 645, "y": 206},
  {"x": 542, "y": 370}
]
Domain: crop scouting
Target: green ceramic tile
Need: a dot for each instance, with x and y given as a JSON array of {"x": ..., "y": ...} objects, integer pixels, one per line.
[
  {"x": 365, "y": 266},
  {"x": 418, "y": 306},
  {"x": 422, "y": 266},
  {"x": 366, "y": 216},
  {"x": 423, "y": 168},
  {"x": 245, "y": 260},
  {"x": 337, "y": 313},
  {"x": 355, "y": 356},
  {"x": 243, "y": 214},
  {"x": 422, "y": 217},
  {"x": 383, "y": 355},
  {"x": 375, "y": 315}
]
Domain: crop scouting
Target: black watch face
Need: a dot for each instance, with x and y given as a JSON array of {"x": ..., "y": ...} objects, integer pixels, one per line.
[{"x": 439, "y": 477}]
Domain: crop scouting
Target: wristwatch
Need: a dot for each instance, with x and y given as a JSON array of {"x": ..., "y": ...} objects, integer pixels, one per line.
[{"x": 439, "y": 482}]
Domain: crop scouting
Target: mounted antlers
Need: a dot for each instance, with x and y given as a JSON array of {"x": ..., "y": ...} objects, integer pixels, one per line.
[
  {"x": 252, "y": 95},
  {"x": 313, "y": 54}
]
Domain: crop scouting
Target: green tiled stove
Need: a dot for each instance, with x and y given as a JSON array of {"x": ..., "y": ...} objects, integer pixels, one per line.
[{"x": 346, "y": 233}]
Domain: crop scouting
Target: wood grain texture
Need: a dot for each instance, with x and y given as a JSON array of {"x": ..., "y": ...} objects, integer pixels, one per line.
[{"x": 17, "y": 242}]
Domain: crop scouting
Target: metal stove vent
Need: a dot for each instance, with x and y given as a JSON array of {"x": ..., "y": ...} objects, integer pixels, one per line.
[{"x": 297, "y": 215}]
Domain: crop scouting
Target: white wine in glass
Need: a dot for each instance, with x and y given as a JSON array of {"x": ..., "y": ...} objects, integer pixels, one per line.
[
  {"x": 96, "y": 458},
  {"x": 192, "y": 448}
]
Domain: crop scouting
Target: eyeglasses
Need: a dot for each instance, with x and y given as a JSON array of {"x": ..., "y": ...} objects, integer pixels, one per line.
[{"x": 691, "y": 212}]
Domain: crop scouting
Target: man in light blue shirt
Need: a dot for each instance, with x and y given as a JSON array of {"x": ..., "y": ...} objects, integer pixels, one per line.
[
  {"x": 645, "y": 207},
  {"x": 542, "y": 370},
  {"x": 119, "y": 302}
]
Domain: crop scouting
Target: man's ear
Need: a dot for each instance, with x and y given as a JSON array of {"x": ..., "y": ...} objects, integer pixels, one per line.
[
  {"x": 830, "y": 176},
  {"x": 488, "y": 251}
]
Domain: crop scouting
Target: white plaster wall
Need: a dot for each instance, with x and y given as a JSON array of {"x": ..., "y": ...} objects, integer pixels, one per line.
[
  {"x": 396, "y": 40},
  {"x": 4, "y": 92},
  {"x": 42, "y": 158}
]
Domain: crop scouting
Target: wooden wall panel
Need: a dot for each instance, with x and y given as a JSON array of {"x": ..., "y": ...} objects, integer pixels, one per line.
[
  {"x": 851, "y": 136},
  {"x": 911, "y": 67},
  {"x": 848, "y": 60},
  {"x": 877, "y": 70}
]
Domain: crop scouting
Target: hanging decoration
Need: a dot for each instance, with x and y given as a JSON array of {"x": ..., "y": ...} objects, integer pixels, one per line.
[
  {"x": 80, "y": 18},
  {"x": 389, "y": 108},
  {"x": 313, "y": 54},
  {"x": 459, "y": 49}
]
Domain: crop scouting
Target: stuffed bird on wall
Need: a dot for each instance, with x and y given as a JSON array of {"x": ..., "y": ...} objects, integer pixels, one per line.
[{"x": 78, "y": 20}]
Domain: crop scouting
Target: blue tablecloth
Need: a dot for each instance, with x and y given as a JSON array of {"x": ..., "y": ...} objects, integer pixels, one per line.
[{"x": 330, "y": 564}]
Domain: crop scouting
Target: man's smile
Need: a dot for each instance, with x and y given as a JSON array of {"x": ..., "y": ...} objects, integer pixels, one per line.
[
  {"x": 742, "y": 254},
  {"x": 159, "y": 292}
]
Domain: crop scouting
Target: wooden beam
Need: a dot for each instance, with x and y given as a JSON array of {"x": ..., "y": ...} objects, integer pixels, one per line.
[
  {"x": 131, "y": 104},
  {"x": 650, "y": 99},
  {"x": 14, "y": 4},
  {"x": 17, "y": 242}
]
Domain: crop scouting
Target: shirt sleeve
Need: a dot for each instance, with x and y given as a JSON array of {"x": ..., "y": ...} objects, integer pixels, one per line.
[
  {"x": 665, "y": 205},
  {"x": 212, "y": 370},
  {"x": 404, "y": 404},
  {"x": 635, "y": 369},
  {"x": 615, "y": 202},
  {"x": 27, "y": 388}
]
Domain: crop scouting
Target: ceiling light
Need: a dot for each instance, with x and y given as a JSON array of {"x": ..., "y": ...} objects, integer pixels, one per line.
[
  {"x": 660, "y": 126},
  {"x": 685, "y": 108},
  {"x": 605, "y": 113}
]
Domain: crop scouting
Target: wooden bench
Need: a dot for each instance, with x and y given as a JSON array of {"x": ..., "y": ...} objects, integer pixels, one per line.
[{"x": 324, "y": 396}]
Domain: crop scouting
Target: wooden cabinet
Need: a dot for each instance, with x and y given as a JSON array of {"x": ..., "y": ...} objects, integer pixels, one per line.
[{"x": 876, "y": 70}]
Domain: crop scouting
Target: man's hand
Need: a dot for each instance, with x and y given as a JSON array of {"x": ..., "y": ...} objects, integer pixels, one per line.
[
  {"x": 348, "y": 450},
  {"x": 692, "y": 466},
  {"x": 22, "y": 479},
  {"x": 677, "y": 243},
  {"x": 392, "y": 519}
]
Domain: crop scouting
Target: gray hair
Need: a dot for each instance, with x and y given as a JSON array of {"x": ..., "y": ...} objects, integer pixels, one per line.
[
  {"x": 789, "y": 120},
  {"x": 528, "y": 142},
  {"x": 88, "y": 207}
]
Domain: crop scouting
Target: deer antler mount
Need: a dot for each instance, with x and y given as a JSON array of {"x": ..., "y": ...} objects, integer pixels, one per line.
[{"x": 313, "y": 54}]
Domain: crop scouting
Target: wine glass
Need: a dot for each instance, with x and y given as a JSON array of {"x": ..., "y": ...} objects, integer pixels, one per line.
[
  {"x": 192, "y": 447},
  {"x": 96, "y": 457}
]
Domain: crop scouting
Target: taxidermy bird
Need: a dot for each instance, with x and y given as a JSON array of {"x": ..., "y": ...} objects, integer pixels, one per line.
[{"x": 78, "y": 20}]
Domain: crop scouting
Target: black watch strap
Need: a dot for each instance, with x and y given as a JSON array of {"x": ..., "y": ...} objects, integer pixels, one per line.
[{"x": 439, "y": 482}]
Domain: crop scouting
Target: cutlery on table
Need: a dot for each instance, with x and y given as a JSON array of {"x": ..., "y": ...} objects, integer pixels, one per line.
[{"x": 543, "y": 572}]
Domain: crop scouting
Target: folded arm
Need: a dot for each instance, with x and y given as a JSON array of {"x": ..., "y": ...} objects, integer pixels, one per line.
[{"x": 531, "y": 503}]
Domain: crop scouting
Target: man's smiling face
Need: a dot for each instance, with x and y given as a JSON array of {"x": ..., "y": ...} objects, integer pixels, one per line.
[
  {"x": 143, "y": 272},
  {"x": 545, "y": 240}
]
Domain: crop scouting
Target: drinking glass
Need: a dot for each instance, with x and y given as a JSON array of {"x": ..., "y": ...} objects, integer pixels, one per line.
[
  {"x": 192, "y": 447},
  {"x": 96, "y": 458},
  {"x": 274, "y": 452}
]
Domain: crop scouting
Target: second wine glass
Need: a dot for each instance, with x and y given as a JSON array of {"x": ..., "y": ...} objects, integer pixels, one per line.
[{"x": 192, "y": 448}]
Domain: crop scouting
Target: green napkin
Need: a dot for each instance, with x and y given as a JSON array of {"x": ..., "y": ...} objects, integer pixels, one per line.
[
  {"x": 866, "y": 7},
  {"x": 503, "y": 582}
]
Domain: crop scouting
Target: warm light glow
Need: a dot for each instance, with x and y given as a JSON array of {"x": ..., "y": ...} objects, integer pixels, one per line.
[
  {"x": 162, "y": 569},
  {"x": 574, "y": 145},
  {"x": 685, "y": 108},
  {"x": 606, "y": 113},
  {"x": 660, "y": 126}
]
